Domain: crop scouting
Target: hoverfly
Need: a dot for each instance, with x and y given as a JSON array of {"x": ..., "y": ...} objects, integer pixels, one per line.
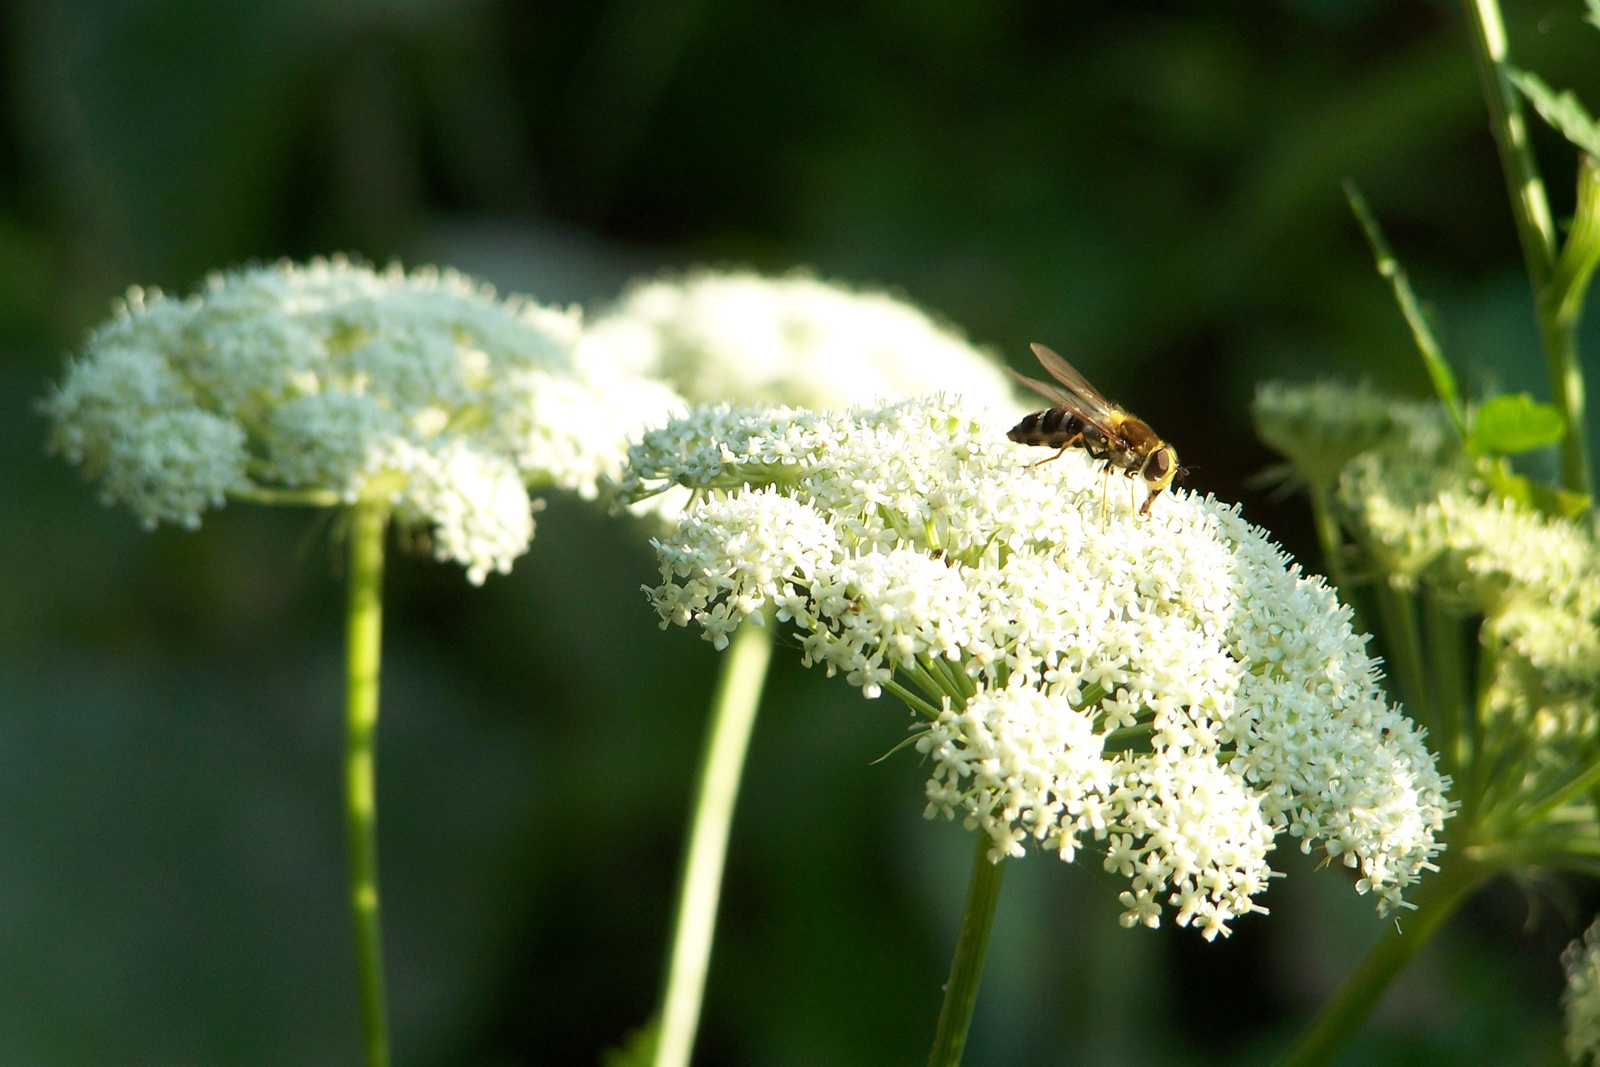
[{"x": 1082, "y": 418}]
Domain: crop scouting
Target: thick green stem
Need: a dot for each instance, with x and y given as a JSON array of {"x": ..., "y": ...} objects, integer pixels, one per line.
[
  {"x": 363, "y": 645},
  {"x": 1342, "y": 1016},
  {"x": 1330, "y": 537},
  {"x": 1566, "y": 386},
  {"x": 1563, "y": 297},
  {"x": 733, "y": 714},
  {"x": 1537, "y": 232},
  {"x": 1529, "y": 205},
  {"x": 961, "y": 991}
]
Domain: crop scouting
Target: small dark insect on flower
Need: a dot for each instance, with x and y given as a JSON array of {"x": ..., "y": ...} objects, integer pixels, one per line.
[{"x": 1082, "y": 418}]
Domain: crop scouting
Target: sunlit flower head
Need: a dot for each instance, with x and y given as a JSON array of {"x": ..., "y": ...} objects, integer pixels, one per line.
[
  {"x": 739, "y": 336},
  {"x": 1170, "y": 688},
  {"x": 1533, "y": 577},
  {"x": 421, "y": 387}
]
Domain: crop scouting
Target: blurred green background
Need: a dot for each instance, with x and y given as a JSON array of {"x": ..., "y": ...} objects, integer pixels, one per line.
[{"x": 1150, "y": 187}]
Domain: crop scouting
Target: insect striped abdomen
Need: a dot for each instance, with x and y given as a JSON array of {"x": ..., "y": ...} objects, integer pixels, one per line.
[{"x": 1055, "y": 427}]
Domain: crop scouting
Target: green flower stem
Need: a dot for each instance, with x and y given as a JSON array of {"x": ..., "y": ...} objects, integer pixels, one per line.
[
  {"x": 1537, "y": 232},
  {"x": 1535, "y": 227},
  {"x": 363, "y": 646},
  {"x": 1329, "y": 536},
  {"x": 961, "y": 991},
  {"x": 1560, "y": 340},
  {"x": 310, "y": 498},
  {"x": 923, "y": 680},
  {"x": 733, "y": 715},
  {"x": 1580, "y": 255},
  {"x": 1447, "y": 667},
  {"x": 1342, "y": 1016},
  {"x": 1561, "y": 310},
  {"x": 1479, "y": 733},
  {"x": 912, "y": 701},
  {"x": 1398, "y": 609},
  {"x": 1582, "y": 781},
  {"x": 1444, "y": 379}
]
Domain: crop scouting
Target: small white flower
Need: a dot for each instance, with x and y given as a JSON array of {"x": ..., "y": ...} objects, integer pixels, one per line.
[
  {"x": 422, "y": 387},
  {"x": 1171, "y": 686}
]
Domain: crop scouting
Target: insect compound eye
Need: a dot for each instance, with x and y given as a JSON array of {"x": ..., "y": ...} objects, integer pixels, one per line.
[{"x": 1160, "y": 464}]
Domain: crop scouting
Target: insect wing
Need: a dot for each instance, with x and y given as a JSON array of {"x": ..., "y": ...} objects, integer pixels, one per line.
[
  {"x": 1068, "y": 375},
  {"x": 1057, "y": 396},
  {"x": 1061, "y": 399},
  {"x": 1092, "y": 409}
]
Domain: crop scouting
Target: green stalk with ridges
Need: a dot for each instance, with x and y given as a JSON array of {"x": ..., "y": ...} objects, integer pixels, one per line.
[
  {"x": 363, "y": 648},
  {"x": 733, "y": 716},
  {"x": 966, "y": 968}
]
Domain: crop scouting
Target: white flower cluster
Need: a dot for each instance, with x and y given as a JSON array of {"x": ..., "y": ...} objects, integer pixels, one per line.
[
  {"x": 738, "y": 336},
  {"x": 1321, "y": 427},
  {"x": 1581, "y": 998},
  {"x": 1535, "y": 578},
  {"x": 1170, "y": 686},
  {"x": 334, "y": 377}
]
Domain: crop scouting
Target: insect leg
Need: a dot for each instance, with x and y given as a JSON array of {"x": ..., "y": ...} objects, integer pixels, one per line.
[{"x": 1058, "y": 454}]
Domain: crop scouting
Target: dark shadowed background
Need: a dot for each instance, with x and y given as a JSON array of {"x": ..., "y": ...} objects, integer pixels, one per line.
[{"x": 1152, "y": 188}]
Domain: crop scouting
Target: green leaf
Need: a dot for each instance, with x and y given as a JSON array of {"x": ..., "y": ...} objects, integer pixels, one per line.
[
  {"x": 638, "y": 1048},
  {"x": 1562, "y": 503},
  {"x": 1563, "y": 294},
  {"x": 1507, "y": 425},
  {"x": 1561, "y": 110},
  {"x": 1593, "y": 17},
  {"x": 1503, "y": 481}
]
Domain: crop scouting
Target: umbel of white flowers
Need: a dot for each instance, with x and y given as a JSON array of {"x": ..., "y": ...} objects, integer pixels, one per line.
[
  {"x": 1423, "y": 519},
  {"x": 1581, "y": 999},
  {"x": 1170, "y": 688},
  {"x": 797, "y": 340},
  {"x": 333, "y": 377}
]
